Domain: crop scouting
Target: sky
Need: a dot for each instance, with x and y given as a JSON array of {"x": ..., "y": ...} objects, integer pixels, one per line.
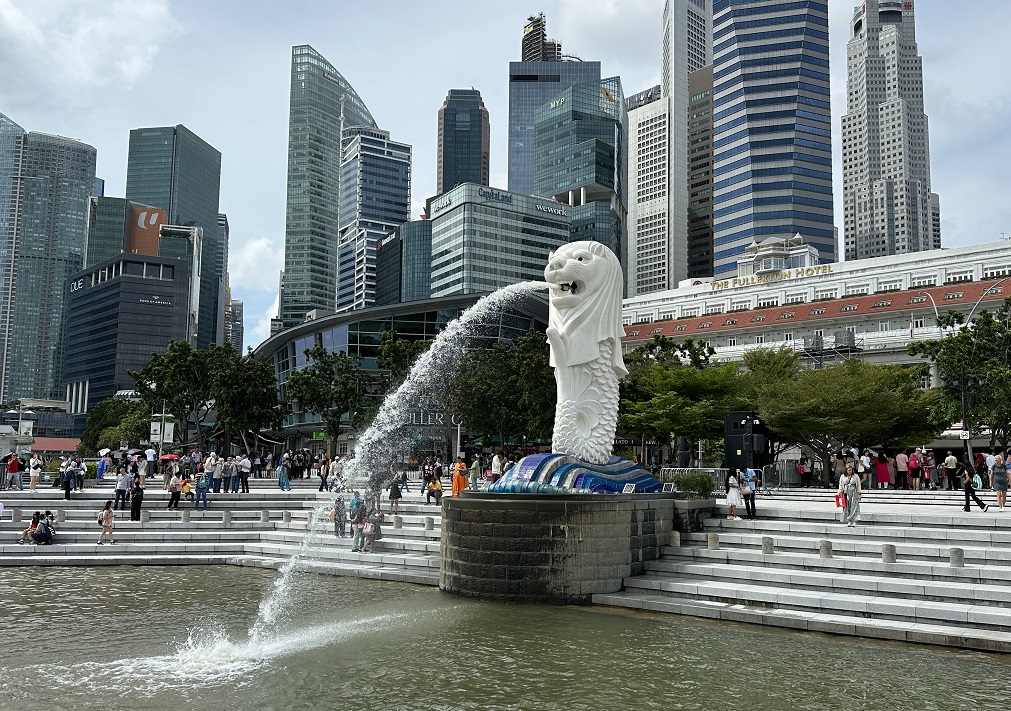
[{"x": 94, "y": 69}]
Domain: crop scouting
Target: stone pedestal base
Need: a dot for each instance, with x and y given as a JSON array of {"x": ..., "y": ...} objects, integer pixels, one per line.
[{"x": 549, "y": 548}]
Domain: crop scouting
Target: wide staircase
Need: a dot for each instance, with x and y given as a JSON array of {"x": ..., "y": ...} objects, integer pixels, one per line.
[
  {"x": 264, "y": 528},
  {"x": 916, "y": 568}
]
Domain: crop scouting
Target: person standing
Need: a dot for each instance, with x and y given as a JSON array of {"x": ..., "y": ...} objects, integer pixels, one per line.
[
  {"x": 201, "y": 489},
  {"x": 339, "y": 517},
  {"x": 881, "y": 471},
  {"x": 245, "y": 468},
  {"x": 733, "y": 497},
  {"x": 35, "y": 471},
  {"x": 175, "y": 484},
  {"x": 283, "y": 480},
  {"x": 901, "y": 470},
  {"x": 749, "y": 486},
  {"x": 12, "y": 470},
  {"x": 122, "y": 486},
  {"x": 459, "y": 476},
  {"x": 915, "y": 469},
  {"x": 805, "y": 471},
  {"x": 475, "y": 471},
  {"x": 497, "y": 466},
  {"x": 149, "y": 455},
  {"x": 426, "y": 473},
  {"x": 105, "y": 520},
  {"x": 213, "y": 471},
  {"x": 999, "y": 479},
  {"x": 136, "y": 497},
  {"x": 966, "y": 473},
  {"x": 67, "y": 479},
  {"x": 395, "y": 496},
  {"x": 951, "y": 471},
  {"x": 849, "y": 487}
]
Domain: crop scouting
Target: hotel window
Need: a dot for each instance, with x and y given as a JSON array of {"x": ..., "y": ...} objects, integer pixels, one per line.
[
  {"x": 760, "y": 338},
  {"x": 852, "y": 329},
  {"x": 817, "y": 312},
  {"x": 689, "y": 313},
  {"x": 787, "y": 336},
  {"x": 849, "y": 307},
  {"x": 819, "y": 332},
  {"x": 714, "y": 309},
  {"x": 730, "y": 322},
  {"x": 923, "y": 281},
  {"x": 860, "y": 290},
  {"x": 763, "y": 303},
  {"x": 633, "y": 333},
  {"x": 757, "y": 319},
  {"x": 795, "y": 299},
  {"x": 919, "y": 322},
  {"x": 679, "y": 328},
  {"x": 706, "y": 324},
  {"x": 655, "y": 331},
  {"x": 827, "y": 294},
  {"x": 731, "y": 342},
  {"x": 883, "y": 326},
  {"x": 881, "y": 304},
  {"x": 917, "y": 299},
  {"x": 952, "y": 295},
  {"x": 788, "y": 314}
]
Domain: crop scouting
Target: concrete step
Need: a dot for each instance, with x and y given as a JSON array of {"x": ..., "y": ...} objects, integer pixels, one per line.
[
  {"x": 951, "y": 634},
  {"x": 881, "y": 585},
  {"x": 883, "y": 515},
  {"x": 926, "y": 530}
]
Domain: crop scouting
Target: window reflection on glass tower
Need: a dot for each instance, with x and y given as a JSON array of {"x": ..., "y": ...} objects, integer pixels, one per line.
[
  {"x": 542, "y": 75},
  {"x": 47, "y": 181},
  {"x": 321, "y": 103},
  {"x": 580, "y": 158},
  {"x": 464, "y": 140},
  {"x": 172, "y": 168}
]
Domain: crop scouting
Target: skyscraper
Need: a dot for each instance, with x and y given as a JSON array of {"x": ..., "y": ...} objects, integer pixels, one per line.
[
  {"x": 321, "y": 103},
  {"x": 540, "y": 77},
  {"x": 50, "y": 181},
  {"x": 580, "y": 159},
  {"x": 117, "y": 225},
  {"x": 464, "y": 140},
  {"x": 887, "y": 204},
  {"x": 700, "y": 173},
  {"x": 235, "y": 329},
  {"x": 172, "y": 168},
  {"x": 375, "y": 199},
  {"x": 771, "y": 127}
]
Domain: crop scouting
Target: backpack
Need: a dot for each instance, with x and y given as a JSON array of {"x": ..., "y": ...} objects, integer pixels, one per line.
[
  {"x": 101, "y": 517},
  {"x": 202, "y": 482}
]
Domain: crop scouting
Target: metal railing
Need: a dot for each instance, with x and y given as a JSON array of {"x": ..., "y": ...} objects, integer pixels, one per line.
[{"x": 719, "y": 476}]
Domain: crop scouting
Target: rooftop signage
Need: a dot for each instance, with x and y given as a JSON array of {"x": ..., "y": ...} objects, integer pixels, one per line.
[
  {"x": 552, "y": 210},
  {"x": 495, "y": 196},
  {"x": 798, "y": 273},
  {"x": 442, "y": 203}
]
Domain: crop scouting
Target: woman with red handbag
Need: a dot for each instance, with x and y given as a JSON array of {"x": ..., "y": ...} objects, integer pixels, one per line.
[{"x": 849, "y": 488}]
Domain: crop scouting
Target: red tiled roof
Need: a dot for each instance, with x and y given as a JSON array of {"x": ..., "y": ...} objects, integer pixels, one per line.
[
  {"x": 55, "y": 444},
  {"x": 813, "y": 311}
]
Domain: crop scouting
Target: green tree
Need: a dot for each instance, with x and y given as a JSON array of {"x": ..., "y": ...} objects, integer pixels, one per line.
[
  {"x": 104, "y": 415},
  {"x": 855, "y": 403},
  {"x": 246, "y": 397},
  {"x": 535, "y": 388},
  {"x": 334, "y": 387},
  {"x": 184, "y": 379},
  {"x": 132, "y": 427},
  {"x": 976, "y": 356},
  {"x": 397, "y": 357}
]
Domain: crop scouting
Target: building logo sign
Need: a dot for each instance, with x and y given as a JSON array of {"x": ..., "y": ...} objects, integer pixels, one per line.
[
  {"x": 496, "y": 196},
  {"x": 383, "y": 243},
  {"x": 76, "y": 285},
  {"x": 155, "y": 300},
  {"x": 442, "y": 204},
  {"x": 797, "y": 273},
  {"x": 557, "y": 103},
  {"x": 553, "y": 210}
]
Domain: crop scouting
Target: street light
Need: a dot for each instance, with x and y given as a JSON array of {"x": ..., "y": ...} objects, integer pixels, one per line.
[
  {"x": 937, "y": 315},
  {"x": 983, "y": 296}
]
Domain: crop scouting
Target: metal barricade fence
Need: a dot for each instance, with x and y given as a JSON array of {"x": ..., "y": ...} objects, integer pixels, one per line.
[{"x": 718, "y": 475}]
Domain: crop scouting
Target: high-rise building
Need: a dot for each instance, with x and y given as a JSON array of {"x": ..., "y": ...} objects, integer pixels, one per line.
[
  {"x": 235, "y": 328},
  {"x": 375, "y": 198},
  {"x": 532, "y": 83},
  {"x": 50, "y": 181},
  {"x": 464, "y": 140},
  {"x": 700, "y": 173},
  {"x": 647, "y": 254},
  {"x": 772, "y": 127},
  {"x": 657, "y": 246},
  {"x": 580, "y": 156},
  {"x": 117, "y": 225},
  {"x": 172, "y": 168},
  {"x": 887, "y": 204},
  {"x": 120, "y": 311},
  {"x": 322, "y": 102},
  {"x": 404, "y": 264},
  {"x": 484, "y": 239},
  {"x": 935, "y": 218}
]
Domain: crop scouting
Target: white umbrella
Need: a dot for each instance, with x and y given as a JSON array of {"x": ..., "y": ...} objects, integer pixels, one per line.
[{"x": 103, "y": 452}]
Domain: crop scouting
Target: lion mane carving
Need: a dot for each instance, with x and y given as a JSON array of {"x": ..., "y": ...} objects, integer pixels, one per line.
[{"x": 584, "y": 332}]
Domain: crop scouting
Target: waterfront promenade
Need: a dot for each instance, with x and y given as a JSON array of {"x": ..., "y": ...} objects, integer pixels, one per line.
[{"x": 892, "y": 577}]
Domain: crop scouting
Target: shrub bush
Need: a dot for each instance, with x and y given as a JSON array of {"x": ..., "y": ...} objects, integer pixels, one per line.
[{"x": 696, "y": 485}]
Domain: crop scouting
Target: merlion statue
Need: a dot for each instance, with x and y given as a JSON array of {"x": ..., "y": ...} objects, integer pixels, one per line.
[{"x": 584, "y": 332}]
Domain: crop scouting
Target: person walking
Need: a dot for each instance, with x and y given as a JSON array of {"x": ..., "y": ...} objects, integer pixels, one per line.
[
  {"x": 999, "y": 479},
  {"x": 105, "y": 520},
  {"x": 970, "y": 493},
  {"x": 733, "y": 496},
  {"x": 201, "y": 490},
  {"x": 849, "y": 487},
  {"x": 136, "y": 497},
  {"x": 174, "y": 487},
  {"x": 749, "y": 485},
  {"x": 35, "y": 471}
]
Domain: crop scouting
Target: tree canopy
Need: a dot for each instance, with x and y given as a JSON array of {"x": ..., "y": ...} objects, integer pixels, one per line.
[{"x": 334, "y": 387}]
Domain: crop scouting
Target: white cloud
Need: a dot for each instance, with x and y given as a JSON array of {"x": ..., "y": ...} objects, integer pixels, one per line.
[
  {"x": 254, "y": 265},
  {"x": 58, "y": 51},
  {"x": 261, "y": 330}
]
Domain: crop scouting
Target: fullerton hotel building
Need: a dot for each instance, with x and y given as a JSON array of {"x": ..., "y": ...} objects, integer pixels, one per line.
[{"x": 782, "y": 297}]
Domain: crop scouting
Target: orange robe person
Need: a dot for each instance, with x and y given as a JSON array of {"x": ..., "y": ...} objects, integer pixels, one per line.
[{"x": 460, "y": 480}]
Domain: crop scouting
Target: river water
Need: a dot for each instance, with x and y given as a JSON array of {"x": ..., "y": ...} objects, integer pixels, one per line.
[{"x": 175, "y": 638}]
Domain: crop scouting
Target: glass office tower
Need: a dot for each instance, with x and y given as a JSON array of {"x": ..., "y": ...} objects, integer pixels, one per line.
[
  {"x": 580, "y": 159},
  {"x": 772, "y": 127},
  {"x": 404, "y": 264},
  {"x": 321, "y": 103},
  {"x": 464, "y": 140},
  {"x": 375, "y": 199},
  {"x": 51, "y": 179},
  {"x": 172, "y": 168}
]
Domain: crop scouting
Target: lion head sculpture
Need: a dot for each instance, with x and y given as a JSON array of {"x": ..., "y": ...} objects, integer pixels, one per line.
[{"x": 585, "y": 303}]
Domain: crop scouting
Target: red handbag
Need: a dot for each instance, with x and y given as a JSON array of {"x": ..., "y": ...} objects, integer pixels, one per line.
[{"x": 840, "y": 501}]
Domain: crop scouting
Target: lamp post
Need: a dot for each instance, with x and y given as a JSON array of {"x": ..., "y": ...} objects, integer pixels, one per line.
[{"x": 937, "y": 315}]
